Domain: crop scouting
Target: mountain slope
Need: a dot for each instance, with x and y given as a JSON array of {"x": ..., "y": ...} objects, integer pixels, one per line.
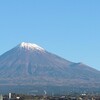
[{"x": 30, "y": 64}]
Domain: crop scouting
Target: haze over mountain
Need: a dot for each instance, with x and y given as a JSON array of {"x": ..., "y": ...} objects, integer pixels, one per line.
[{"x": 30, "y": 64}]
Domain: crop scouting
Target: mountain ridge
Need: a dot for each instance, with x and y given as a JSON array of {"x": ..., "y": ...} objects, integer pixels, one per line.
[{"x": 21, "y": 66}]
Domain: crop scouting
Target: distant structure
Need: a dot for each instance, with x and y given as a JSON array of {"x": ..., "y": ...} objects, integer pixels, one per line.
[
  {"x": 1, "y": 97},
  {"x": 45, "y": 93},
  {"x": 9, "y": 96}
]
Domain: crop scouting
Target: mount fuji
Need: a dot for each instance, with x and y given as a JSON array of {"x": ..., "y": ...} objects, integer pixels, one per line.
[{"x": 28, "y": 64}]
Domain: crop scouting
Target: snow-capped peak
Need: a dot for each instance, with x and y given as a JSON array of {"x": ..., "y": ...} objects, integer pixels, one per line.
[{"x": 31, "y": 46}]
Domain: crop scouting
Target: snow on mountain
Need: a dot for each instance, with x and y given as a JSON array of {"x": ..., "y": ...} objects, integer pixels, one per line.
[{"x": 31, "y": 46}]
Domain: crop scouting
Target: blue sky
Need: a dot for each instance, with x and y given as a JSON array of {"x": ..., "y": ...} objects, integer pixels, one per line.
[{"x": 68, "y": 28}]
